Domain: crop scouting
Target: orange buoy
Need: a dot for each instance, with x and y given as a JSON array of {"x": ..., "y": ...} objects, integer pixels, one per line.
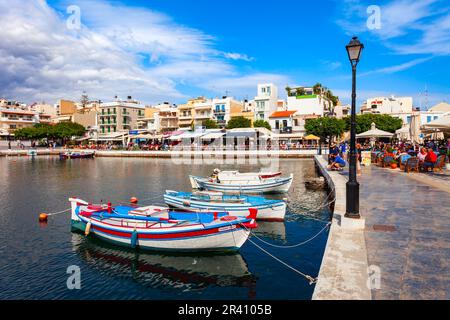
[
  {"x": 43, "y": 217},
  {"x": 133, "y": 200}
]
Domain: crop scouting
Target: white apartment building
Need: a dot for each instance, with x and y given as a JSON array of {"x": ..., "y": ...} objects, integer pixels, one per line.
[
  {"x": 266, "y": 101},
  {"x": 388, "y": 105},
  {"x": 224, "y": 108},
  {"x": 308, "y": 103},
  {"x": 119, "y": 115}
]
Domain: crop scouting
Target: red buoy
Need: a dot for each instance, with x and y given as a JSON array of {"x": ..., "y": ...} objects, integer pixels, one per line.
[
  {"x": 133, "y": 200},
  {"x": 43, "y": 217}
]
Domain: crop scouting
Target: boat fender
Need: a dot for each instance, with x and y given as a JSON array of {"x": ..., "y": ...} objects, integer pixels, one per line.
[
  {"x": 109, "y": 207},
  {"x": 87, "y": 230},
  {"x": 134, "y": 238},
  {"x": 133, "y": 200},
  {"x": 253, "y": 213},
  {"x": 215, "y": 215},
  {"x": 187, "y": 203}
]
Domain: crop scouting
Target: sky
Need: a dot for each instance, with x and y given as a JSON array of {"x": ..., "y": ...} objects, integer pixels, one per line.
[{"x": 173, "y": 50}]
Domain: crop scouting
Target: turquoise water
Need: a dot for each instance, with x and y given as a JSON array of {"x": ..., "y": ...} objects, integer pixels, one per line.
[{"x": 35, "y": 256}]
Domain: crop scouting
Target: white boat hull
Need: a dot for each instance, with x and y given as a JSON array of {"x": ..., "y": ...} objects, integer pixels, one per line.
[
  {"x": 280, "y": 185},
  {"x": 275, "y": 212}
]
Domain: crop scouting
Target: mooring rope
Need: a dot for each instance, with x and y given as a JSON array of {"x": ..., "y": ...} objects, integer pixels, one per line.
[
  {"x": 311, "y": 279},
  {"x": 55, "y": 213},
  {"x": 294, "y": 245}
]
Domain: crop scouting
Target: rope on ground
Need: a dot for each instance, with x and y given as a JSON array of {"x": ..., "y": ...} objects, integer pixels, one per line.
[
  {"x": 294, "y": 245},
  {"x": 311, "y": 279}
]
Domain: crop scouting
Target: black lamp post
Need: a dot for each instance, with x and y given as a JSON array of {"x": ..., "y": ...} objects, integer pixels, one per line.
[{"x": 354, "y": 49}]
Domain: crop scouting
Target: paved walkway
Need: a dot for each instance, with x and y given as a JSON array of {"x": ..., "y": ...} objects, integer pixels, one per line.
[{"x": 407, "y": 234}]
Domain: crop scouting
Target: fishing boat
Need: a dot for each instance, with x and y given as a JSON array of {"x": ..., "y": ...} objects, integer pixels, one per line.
[
  {"x": 77, "y": 155},
  {"x": 270, "y": 185},
  {"x": 157, "y": 228},
  {"x": 236, "y": 177},
  {"x": 235, "y": 205}
]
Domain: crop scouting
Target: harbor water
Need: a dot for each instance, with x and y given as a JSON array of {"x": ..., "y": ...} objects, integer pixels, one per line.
[{"x": 35, "y": 257}]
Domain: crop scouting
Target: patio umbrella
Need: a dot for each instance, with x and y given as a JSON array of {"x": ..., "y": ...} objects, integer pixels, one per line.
[
  {"x": 414, "y": 128},
  {"x": 375, "y": 133},
  {"x": 441, "y": 124}
]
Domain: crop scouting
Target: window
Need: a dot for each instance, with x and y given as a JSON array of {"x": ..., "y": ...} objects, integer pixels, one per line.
[
  {"x": 223, "y": 108},
  {"x": 217, "y": 108},
  {"x": 435, "y": 117},
  {"x": 277, "y": 124},
  {"x": 428, "y": 118},
  {"x": 408, "y": 119},
  {"x": 285, "y": 123}
]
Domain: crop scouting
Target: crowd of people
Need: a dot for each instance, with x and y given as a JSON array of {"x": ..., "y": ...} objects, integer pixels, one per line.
[{"x": 427, "y": 153}]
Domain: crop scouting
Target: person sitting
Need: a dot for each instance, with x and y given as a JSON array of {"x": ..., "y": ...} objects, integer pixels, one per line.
[
  {"x": 402, "y": 156},
  {"x": 422, "y": 154},
  {"x": 337, "y": 163},
  {"x": 430, "y": 161}
]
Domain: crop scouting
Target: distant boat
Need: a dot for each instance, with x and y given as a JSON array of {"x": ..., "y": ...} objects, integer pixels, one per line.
[
  {"x": 236, "y": 177},
  {"x": 235, "y": 205},
  {"x": 77, "y": 155},
  {"x": 269, "y": 185},
  {"x": 157, "y": 228}
]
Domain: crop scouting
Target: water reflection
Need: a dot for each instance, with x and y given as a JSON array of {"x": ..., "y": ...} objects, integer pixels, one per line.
[
  {"x": 271, "y": 229},
  {"x": 186, "y": 272}
]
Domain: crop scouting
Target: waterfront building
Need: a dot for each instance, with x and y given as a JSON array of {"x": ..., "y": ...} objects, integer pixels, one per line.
[
  {"x": 307, "y": 101},
  {"x": 226, "y": 108},
  {"x": 342, "y": 111},
  {"x": 266, "y": 101},
  {"x": 12, "y": 119},
  {"x": 282, "y": 121},
  {"x": 120, "y": 115},
  {"x": 388, "y": 105}
]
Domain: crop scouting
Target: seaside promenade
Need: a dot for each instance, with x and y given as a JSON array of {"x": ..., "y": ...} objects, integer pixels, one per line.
[{"x": 406, "y": 239}]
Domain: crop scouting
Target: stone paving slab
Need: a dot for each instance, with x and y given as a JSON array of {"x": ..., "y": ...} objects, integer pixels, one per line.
[{"x": 414, "y": 259}]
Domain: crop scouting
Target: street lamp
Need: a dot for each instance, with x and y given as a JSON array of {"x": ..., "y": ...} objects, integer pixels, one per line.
[{"x": 354, "y": 49}]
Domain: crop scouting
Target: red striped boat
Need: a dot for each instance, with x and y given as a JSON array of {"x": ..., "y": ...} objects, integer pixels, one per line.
[{"x": 157, "y": 228}]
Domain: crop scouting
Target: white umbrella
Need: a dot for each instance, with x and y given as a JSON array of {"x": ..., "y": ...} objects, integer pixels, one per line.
[{"x": 375, "y": 133}]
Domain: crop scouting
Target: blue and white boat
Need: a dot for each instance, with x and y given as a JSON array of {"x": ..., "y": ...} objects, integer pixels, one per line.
[
  {"x": 270, "y": 185},
  {"x": 157, "y": 228},
  {"x": 235, "y": 205}
]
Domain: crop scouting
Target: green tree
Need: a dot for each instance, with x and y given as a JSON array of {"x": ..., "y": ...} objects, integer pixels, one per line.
[
  {"x": 262, "y": 124},
  {"x": 288, "y": 91},
  {"x": 325, "y": 127},
  {"x": 239, "y": 122},
  {"x": 210, "y": 124},
  {"x": 317, "y": 88},
  {"x": 63, "y": 131},
  {"x": 300, "y": 92},
  {"x": 383, "y": 122}
]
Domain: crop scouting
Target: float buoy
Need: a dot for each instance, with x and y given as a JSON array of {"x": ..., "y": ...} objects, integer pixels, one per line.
[
  {"x": 133, "y": 200},
  {"x": 88, "y": 229},
  {"x": 43, "y": 217}
]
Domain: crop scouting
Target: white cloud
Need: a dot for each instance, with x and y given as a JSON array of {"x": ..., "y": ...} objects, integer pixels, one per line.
[
  {"x": 118, "y": 50},
  {"x": 237, "y": 56},
  {"x": 407, "y": 27},
  {"x": 397, "y": 68}
]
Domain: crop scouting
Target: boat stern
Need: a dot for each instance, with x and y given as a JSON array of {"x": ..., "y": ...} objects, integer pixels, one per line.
[{"x": 194, "y": 183}]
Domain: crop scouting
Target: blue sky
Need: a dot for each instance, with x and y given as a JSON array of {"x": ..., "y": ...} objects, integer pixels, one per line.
[{"x": 162, "y": 50}]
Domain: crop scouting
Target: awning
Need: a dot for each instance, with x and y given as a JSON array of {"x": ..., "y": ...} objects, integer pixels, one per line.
[
  {"x": 213, "y": 135},
  {"x": 83, "y": 139},
  {"x": 247, "y": 134},
  {"x": 188, "y": 135},
  {"x": 289, "y": 136},
  {"x": 116, "y": 136},
  {"x": 311, "y": 137}
]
